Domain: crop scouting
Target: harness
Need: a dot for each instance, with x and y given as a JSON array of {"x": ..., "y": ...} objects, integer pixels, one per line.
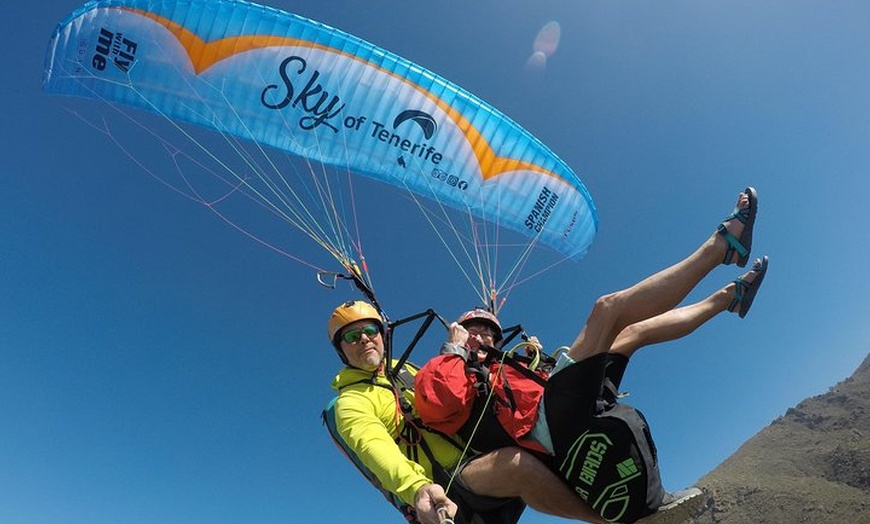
[
  {"x": 483, "y": 430},
  {"x": 401, "y": 381}
]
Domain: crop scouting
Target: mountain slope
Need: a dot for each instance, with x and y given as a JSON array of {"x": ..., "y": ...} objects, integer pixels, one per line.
[{"x": 810, "y": 465}]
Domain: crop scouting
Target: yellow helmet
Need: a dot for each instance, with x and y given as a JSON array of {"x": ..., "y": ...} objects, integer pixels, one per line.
[{"x": 350, "y": 312}]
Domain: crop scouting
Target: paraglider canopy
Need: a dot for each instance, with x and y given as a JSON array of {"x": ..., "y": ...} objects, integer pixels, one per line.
[{"x": 261, "y": 76}]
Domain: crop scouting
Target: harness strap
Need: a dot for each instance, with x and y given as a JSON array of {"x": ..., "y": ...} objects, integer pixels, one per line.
[
  {"x": 518, "y": 362},
  {"x": 609, "y": 392}
]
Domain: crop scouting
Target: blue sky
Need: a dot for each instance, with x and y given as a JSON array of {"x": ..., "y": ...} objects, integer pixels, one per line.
[{"x": 158, "y": 367}]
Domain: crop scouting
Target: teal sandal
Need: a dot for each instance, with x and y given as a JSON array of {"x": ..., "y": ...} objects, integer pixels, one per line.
[
  {"x": 745, "y": 291},
  {"x": 743, "y": 244}
]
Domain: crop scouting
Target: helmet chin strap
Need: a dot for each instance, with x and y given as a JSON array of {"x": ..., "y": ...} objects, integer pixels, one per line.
[{"x": 341, "y": 355}]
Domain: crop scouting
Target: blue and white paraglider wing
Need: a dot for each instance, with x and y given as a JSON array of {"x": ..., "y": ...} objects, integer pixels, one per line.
[{"x": 281, "y": 80}]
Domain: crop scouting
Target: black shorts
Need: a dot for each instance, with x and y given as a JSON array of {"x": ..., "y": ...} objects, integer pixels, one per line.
[
  {"x": 480, "y": 509},
  {"x": 572, "y": 395}
]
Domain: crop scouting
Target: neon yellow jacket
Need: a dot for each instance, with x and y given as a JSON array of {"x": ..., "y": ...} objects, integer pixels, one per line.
[{"x": 370, "y": 421}]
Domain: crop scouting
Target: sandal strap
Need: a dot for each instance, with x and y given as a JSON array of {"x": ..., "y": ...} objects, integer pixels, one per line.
[
  {"x": 733, "y": 244},
  {"x": 741, "y": 287},
  {"x": 740, "y": 214}
]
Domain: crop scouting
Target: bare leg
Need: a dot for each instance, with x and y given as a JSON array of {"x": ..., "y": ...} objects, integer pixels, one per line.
[
  {"x": 661, "y": 292},
  {"x": 512, "y": 472},
  {"x": 672, "y": 324},
  {"x": 676, "y": 323}
]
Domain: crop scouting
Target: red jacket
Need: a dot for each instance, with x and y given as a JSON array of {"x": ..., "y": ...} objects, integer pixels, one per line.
[{"x": 445, "y": 393}]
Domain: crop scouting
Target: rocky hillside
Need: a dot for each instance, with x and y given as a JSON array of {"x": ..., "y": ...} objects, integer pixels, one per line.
[{"x": 810, "y": 465}]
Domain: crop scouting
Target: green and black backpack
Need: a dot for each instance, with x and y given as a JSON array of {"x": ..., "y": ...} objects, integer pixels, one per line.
[{"x": 614, "y": 466}]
